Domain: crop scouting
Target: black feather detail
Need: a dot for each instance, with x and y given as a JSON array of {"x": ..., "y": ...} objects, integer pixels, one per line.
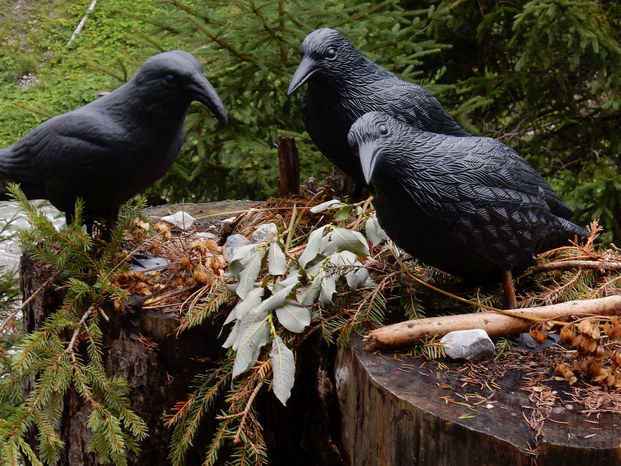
[{"x": 469, "y": 206}]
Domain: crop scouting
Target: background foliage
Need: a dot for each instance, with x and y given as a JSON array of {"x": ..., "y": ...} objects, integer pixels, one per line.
[{"x": 543, "y": 76}]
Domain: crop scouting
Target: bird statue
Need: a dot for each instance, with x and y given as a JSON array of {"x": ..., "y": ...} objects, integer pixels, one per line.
[
  {"x": 343, "y": 85},
  {"x": 471, "y": 206},
  {"x": 111, "y": 149}
]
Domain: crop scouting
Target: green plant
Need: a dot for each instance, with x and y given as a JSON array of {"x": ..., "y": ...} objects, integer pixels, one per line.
[
  {"x": 66, "y": 352},
  {"x": 550, "y": 71}
]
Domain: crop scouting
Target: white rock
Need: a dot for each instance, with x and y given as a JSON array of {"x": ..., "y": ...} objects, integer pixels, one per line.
[
  {"x": 265, "y": 232},
  {"x": 472, "y": 345},
  {"x": 181, "y": 220},
  {"x": 205, "y": 235},
  {"x": 233, "y": 242}
]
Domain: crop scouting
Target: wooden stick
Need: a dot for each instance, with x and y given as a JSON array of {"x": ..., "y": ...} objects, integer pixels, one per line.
[
  {"x": 82, "y": 22},
  {"x": 601, "y": 265},
  {"x": 289, "y": 164},
  {"x": 507, "y": 284},
  {"x": 411, "y": 331}
]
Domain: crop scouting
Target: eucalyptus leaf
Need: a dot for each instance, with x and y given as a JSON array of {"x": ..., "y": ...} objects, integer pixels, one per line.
[
  {"x": 316, "y": 268},
  {"x": 293, "y": 317},
  {"x": 276, "y": 300},
  {"x": 331, "y": 204},
  {"x": 312, "y": 247},
  {"x": 249, "y": 274},
  {"x": 252, "y": 300},
  {"x": 283, "y": 369},
  {"x": 328, "y": 247},
  {"x": 253, "y": 333},
  {"x": 357, "y": 277},
  {"x": 342, "y": 258},
  {"x": 231, "y": 339},
  {"x": 293, "y": 278},
  {"x": 375, "y": 233},
  {"x": 308, "y": 295},
  {"x": 277, "y": 262},
  {"x": 240, "y": 259},
  {"x": 350, "y": 240},
  {"x": 328, "y": 288}
]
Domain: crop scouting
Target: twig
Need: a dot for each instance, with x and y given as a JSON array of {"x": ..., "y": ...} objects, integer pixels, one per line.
[
  {"x": 76, "y": 332},
  {"x": 245, "y": 412},
  {"x": 409, "y": 332},
  {"x": 26, "y": 302},
  {"x": 151, "y": 302},
  {"x": 82, "y": 22},
  {"x": 603, "y": 265}
]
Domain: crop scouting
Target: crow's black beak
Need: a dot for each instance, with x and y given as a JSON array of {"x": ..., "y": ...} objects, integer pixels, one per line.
[
  {"x": 304, "y": 71},
  {"x": 204, "y": 93},
  {"x": 367, "y": 151}
]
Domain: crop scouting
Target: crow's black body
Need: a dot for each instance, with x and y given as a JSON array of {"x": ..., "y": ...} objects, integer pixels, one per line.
[
  {"x": 344, "y": 85},
  {"x": 469, "y": 206},
  {"x": 114, "y": 147}
]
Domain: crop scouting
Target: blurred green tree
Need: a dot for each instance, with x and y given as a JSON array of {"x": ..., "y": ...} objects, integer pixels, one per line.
[
  {"x": 552, "y": 72},
  {"x": 250, "y": 50}
]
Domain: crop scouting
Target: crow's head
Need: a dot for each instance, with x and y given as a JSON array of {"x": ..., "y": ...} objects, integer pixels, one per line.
[
  {"x": 368, "y": 135},
  {"x": 324, "y": 52},
  {"x": 176, "y": 78}
]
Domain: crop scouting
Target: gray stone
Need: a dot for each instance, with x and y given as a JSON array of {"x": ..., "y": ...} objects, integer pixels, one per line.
[
  {"x": 233, "y": 243},
  {"x": 472, "y": 345},
  {"x": 265, "y": 232}
]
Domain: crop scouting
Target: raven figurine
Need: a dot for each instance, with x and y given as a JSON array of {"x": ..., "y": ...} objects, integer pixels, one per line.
[
  {"x": 343, "y": 85},
  {"x": 111, "y": 149},
  {"x": 468, "y": 206}
]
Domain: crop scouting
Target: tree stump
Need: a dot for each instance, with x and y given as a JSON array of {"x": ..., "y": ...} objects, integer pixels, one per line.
[
  {"x": 141, "y": 347},
  {"x": 395, "y": 411}
]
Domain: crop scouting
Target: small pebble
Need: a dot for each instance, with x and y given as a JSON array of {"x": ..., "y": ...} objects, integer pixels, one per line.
[
  {"x": 471, "y": 345},
  {"x": 265, "y": 232}
]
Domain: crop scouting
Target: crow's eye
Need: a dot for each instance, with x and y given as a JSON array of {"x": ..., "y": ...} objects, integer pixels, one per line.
[
  {"x": 169, "y": 78},
  {"x": 330, "y": 54},
  {"x": 383, "y": 129}
]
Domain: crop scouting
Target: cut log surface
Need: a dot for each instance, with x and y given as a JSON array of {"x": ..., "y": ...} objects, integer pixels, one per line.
[{"x": 399, "y": 411}]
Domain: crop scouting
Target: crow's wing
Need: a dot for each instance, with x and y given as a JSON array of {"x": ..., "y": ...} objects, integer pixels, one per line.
[
  {"x": 477, "y": 191},
  {"x": 66, "y": 146}
]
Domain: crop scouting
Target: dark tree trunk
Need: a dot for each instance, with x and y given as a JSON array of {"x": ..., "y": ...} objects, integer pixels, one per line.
[{"x": 141, "y": 347}]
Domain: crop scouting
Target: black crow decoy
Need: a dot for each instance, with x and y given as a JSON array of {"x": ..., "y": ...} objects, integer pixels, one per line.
[
  {"x": 343, "y": 85},
  {"x": 468, "y": 206},
  {"x": 111, "y": 149}
]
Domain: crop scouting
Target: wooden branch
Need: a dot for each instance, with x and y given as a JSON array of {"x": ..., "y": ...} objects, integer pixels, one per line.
[
  {"x": 411, "y": 331},
  {"x": 602, "y": 265},
  {"x": 289, "y": 163}
]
